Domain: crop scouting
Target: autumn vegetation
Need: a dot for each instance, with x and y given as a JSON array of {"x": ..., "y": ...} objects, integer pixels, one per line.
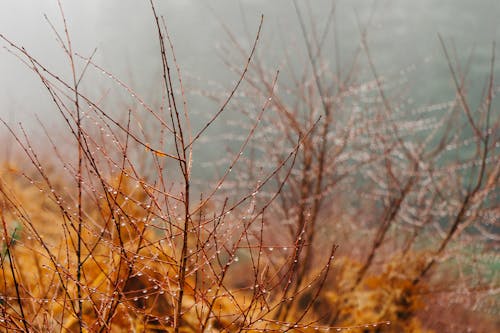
[{"x": 338, "y": 207}]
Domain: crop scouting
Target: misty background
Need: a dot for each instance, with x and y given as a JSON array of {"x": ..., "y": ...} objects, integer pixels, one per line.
[{"x": 402, "y": 36}]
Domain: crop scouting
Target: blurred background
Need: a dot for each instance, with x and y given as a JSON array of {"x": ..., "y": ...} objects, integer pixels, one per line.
[{"x": 402, "y": 36}]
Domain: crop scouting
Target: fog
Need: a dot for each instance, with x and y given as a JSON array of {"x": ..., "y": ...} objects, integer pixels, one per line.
[{"x": 401, "y": 34}]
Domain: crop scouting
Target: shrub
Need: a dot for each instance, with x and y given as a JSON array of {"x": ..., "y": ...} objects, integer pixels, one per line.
[{"x": 109, "y": 235}]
